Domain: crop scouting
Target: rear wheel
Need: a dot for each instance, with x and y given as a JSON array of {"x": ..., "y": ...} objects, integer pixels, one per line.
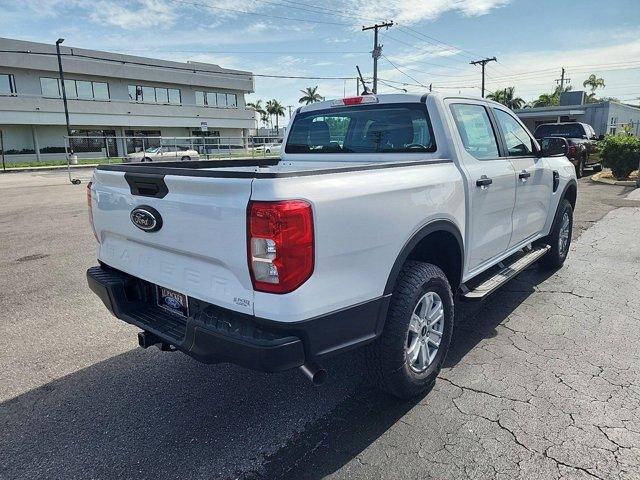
[
  {"x": 186, "y": 158},
  {"x": 580, "y": 167},
  {"x": 406, "y": 359},
  {"x": 560, "y": 237},
  {"x": 146, "y": 159}
]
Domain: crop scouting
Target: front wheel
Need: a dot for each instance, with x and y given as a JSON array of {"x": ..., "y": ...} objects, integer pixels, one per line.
[
  {"x": 406, "y": 359},
  {"x": 186, "y": 158},
  {"x": 559, "y": 238}
]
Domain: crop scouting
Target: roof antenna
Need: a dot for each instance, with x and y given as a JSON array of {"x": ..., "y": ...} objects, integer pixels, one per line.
[{"x": 365, "y": 89}]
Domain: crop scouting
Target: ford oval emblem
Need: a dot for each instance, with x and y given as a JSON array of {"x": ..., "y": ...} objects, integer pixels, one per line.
[
  {"x": 172, "y": 303},
  {"x": 146, "y": 218}
]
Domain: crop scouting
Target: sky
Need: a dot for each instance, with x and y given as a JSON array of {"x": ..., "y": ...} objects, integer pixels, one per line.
[{"x": 431, "y": 42}]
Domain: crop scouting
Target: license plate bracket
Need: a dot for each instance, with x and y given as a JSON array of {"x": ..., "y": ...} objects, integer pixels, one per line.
[{"x": 172, "y": 301}]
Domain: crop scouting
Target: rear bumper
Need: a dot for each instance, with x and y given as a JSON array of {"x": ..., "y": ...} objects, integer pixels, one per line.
[{"x": 213, "y": 334}]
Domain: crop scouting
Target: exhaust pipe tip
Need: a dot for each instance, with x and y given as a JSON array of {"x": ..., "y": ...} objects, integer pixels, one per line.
[{"x": 314, "y": 372}]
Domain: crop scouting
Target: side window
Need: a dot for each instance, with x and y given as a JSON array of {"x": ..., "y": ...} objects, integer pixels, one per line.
[
  {"x": 475, "y": 130},
  {"x": 516, "y": 137}
]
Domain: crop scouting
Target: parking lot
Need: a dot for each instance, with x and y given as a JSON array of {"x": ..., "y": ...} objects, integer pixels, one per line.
[{"x": 543, "y": 380}]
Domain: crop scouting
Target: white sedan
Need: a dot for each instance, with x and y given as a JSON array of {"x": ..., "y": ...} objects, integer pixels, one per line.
[
  {"x": 163, "y": 154},
  {"x": 269, "y": 148}
]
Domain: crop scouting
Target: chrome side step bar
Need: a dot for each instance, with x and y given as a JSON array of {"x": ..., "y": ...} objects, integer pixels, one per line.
[{"x": 507, "y": 272}]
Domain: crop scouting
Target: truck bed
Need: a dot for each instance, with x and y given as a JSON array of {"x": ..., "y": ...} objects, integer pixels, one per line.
[{"x": 256, "y": 168}]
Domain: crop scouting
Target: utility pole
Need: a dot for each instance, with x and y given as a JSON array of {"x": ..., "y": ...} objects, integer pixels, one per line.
[
  {"x": 561, "y": 81},
  {"x": 377, "y": 49},
  {"x": 483, "y": 62}
]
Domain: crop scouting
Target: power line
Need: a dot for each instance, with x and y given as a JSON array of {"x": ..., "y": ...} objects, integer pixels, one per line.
[
  {"x": 171, "y": 67},
  {"x": 261, "y": 15},
  {"x": 404, "y": 73}
]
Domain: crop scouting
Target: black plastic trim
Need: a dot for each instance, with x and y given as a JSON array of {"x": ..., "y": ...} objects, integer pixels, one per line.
[
  {"x": 213, "y": 334},
  {"x": 433, "y": 227},
  {"x": 147, "y": 184},
  {"x": 570, "y": 183},
  {"x": 197, "y": 170}
]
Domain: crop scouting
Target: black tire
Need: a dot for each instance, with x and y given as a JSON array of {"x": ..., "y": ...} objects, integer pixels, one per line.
[
  {"x": 580, "y": 167},
  {"x": 556, "y": 256},
  {"x": 186, "y": 158},
  {"x": 387, "y": 361},
  {"x": 146, "y": 159}
]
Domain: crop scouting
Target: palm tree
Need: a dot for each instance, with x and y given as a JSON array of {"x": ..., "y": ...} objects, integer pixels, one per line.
[
  {"x": 507, "y": 98},
  {"x": 257, "y": 107},
  {"x": 593, "y": 82},
  {"x": 274, "y": 107},
  {"x": 544, "y": 100},
  {"x": 311, "y": 95},
  {"x": 551, "y": 99}
]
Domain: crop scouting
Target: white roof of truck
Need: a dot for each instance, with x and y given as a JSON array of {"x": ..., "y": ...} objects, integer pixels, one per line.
[{"x": 392, "y": 98}]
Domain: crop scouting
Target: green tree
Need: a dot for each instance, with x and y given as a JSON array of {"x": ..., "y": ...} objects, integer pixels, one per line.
[
  {"x": 550, "y": 99},
  {"x": 593, "y": 82},
  {"x": 275, "y": 108},
  {"x": 257, "y": 107},
  {"x": 507, "y": 97},
  {"x": 311, "y": 95}
]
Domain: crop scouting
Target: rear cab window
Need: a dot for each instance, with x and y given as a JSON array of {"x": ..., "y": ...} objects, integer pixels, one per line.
[{"x": 370, "y": 128}]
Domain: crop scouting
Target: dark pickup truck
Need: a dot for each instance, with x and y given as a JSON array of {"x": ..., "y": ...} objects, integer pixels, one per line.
[{"x": 582, "y": 143}]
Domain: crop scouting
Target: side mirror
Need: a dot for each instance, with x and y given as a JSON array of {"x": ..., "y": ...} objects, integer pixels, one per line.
[{"x": 553, "y": 147}]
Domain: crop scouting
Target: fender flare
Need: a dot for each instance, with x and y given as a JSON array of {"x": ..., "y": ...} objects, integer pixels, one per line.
[
  {"x": 571, "y": 183},
  {"x": 428, "y": 229}
]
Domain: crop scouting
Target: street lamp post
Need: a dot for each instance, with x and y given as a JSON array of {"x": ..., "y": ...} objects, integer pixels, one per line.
[
  {"x": 64, "y": 92},
  {"x": 74, "y": 181}
]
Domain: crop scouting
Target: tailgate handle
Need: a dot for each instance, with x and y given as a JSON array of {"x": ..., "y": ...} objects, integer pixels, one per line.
[{"x": 147, "y": 184}]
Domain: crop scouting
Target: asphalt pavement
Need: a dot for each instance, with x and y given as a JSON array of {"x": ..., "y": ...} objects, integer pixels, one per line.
[{"x": 542, "y": 380}]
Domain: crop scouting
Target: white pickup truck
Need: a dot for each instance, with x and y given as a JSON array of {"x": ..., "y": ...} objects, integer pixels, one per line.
[{"x": 381, "y": 211}]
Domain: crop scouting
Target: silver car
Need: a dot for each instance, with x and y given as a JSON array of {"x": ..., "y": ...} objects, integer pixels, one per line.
[{"x": 163, "y": 154}]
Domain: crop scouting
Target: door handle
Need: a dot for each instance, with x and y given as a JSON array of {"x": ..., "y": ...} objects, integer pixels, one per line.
[
  {"x": 483, "y": 182},
  {"x": 524, "y": 175}
]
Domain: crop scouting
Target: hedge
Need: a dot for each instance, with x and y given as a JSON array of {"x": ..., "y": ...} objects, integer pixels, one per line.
[{"x": 620, "y": 153}]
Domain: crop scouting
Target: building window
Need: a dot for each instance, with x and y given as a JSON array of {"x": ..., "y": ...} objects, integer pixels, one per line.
[
  {"x": 84, "y": 90},
  {"x": 174, "y": 96},
  {"x": 216, "y": 99},
  {"x": 144, "y": 94},
  {"x": 100, "y": 91},
  {"x": 50, "y": 87},
  {"x": 7, "y": 84},
  {"x": 81, "y": 89}
]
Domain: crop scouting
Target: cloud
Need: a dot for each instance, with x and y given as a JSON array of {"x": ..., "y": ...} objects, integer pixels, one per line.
[
  {"x": 412, "y": 11},
  {"x": 135, "y": 15}
]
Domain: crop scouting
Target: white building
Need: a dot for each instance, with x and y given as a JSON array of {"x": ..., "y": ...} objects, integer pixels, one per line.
[{"x": 114, "y": 95}]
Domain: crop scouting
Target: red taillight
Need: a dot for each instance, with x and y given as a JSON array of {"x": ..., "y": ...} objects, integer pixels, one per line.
[
  {"x": 571, "y": 150},
  {"x": 355, "y": 100},
  {"x": 280, "y": 245},
  {"x": 91, "y": 210}
]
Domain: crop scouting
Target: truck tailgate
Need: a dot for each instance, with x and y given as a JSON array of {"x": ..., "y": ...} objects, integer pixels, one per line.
[{"x": 200, "y": 250}]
